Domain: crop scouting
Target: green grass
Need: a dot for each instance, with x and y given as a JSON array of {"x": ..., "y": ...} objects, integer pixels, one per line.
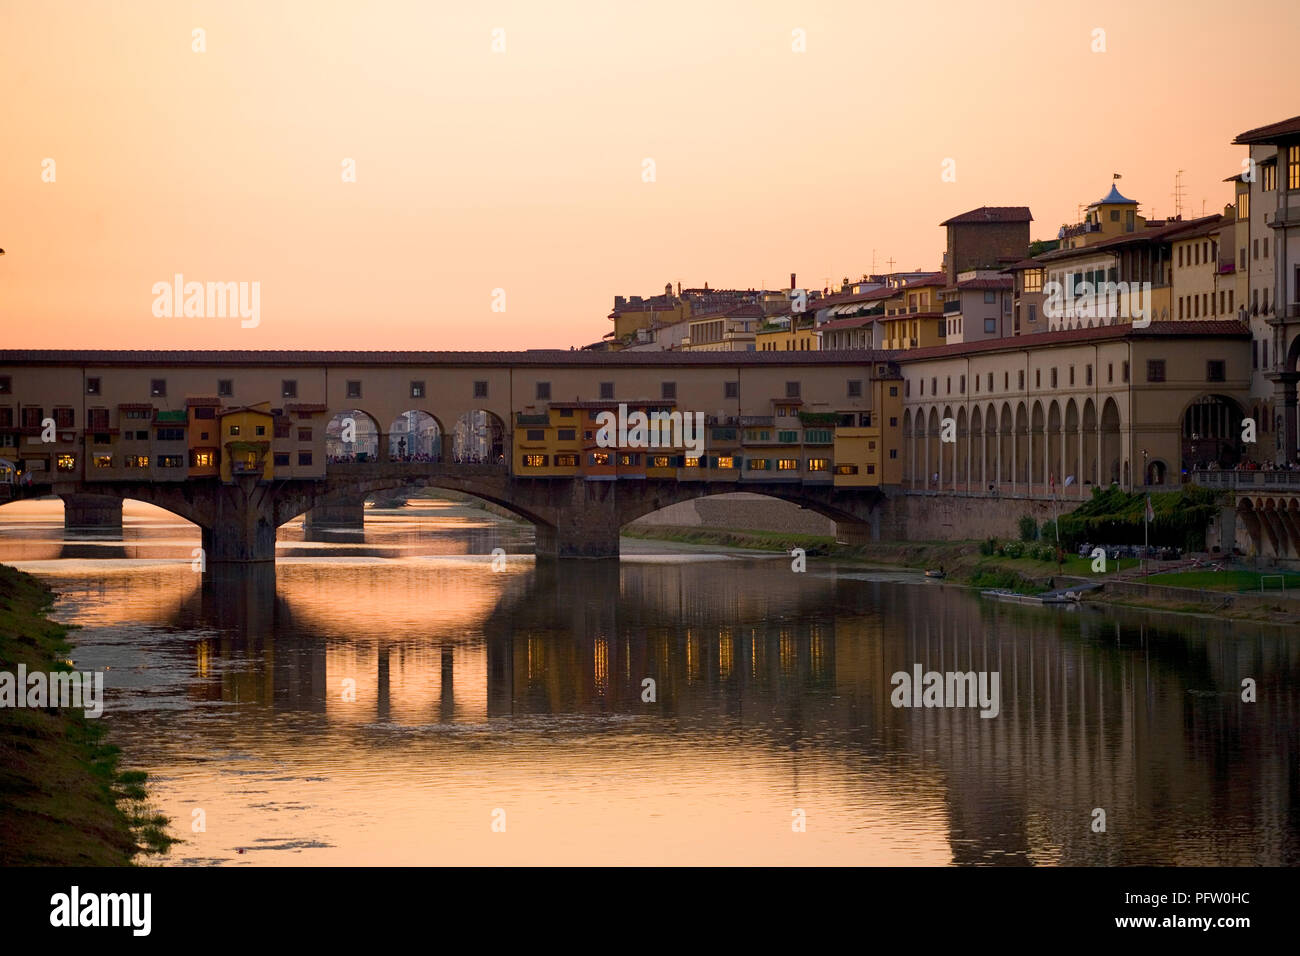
[
  {"x": 61, "y": 794},
  {"x": 1226, "y": 580}
]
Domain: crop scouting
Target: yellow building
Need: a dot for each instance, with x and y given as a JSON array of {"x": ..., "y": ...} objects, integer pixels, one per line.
[
  {"x": 781, "y": 337},
  {"x": 246, "y": 434},
  {"x": 867, "y": 453}
]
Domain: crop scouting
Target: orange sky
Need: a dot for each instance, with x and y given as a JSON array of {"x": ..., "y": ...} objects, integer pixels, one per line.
[{"x": 522, "y": 170}]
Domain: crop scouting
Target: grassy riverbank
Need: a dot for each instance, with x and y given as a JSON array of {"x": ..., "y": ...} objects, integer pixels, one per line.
[
  {"x": 965, "y": 563},
  {"x": 62, "y": 799}
]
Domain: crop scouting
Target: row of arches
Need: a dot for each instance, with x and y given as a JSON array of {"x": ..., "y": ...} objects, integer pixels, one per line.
[
  {"x": 1070, "y": 446},
  {"x": 416, "y": 435}
]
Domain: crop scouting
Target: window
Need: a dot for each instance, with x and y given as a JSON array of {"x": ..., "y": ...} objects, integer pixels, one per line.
[
  {"x": 1087, "y": 375},
  {"x": 568, "y": 434},
  {"x": 893, "y": 391},
  {"x": 817, "y": 436},
  {"x": 234, "y": 429},
  {"x": 7, "y": 385},
  {"x": 962, "y": 385},
  {"x": 137, "y": 461},
  {"x": 354, "y": 390},
  {"x": 63, "y": 417},
  {"x": 480, "y": 390},
  {"x": 662, "y": 461},
  {"x": 758, "y": 464},
  {"x": 1155, "y": 370},
  {"x": 201, "y": 459},
  {"x": 893, "y": 453},
  {"x": 260, "y": 430},
  {"x": 990, "y": 326},
  {"x": 1293, "y": 167},
  {"x": 1033, "y": 312},
  {"x": 787, "y": 464},
  {"x": 280, "y": 459},
  {"x": 846, "y": 469},
  {"x": 1038, "y": 378},
  {"x": 103, "y": 461},
  {"x": 787, "y": 437},
  {"x": 948, "y": 385},
  {"x": 1124, "y": 370},
  {"x": 1216, "y": 370},
  {"x": 606, "y": 389},
  {"x": 1254, "y": 353},
  {"x": 65, "y": 463},
  {"x": 205, "y": 412},
  {"x": 534, "y": 461},
  {"x": 726, "y": 461},
  {"x": 569, "y": 460},
  {"x": 990, "y": 297},
  {"x": 893, "y": 421},
  {"x": 543, "y": 391},
  {"x": 730, "y": 389},
  {"x": 92, "y": 386},
  {"x": 304, "y": 434},
  {"x": 791, "y": 389},
  {"x": 855, "y": 388},
  {"x": 157, "y": 387},
  {"x": 934, "y": 385},
  {"x": 819, "y": 464},
  {"x": 1269, "y": 177},
  {"x": 304, "y": 458},
  {"x": 690, "y": 462},
  {"x": 289, "y": 388},
  {"x": 170, "y": 434},
  {"x": 668, "y": 391},
  {"x": 600, "y": 458},
  {"x": 536, "y": 434},
  {"x": 1053, "y": 377}
]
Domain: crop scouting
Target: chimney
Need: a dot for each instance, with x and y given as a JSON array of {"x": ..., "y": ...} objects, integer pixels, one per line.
[{"x": 792, "y": 282}]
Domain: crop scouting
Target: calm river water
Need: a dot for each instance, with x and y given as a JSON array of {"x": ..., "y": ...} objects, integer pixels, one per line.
[{"x": 498, "y": 715}]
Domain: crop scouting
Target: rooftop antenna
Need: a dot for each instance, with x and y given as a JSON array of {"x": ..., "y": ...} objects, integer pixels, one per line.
[
  {"x": 890, "y": 262},
  {"x": 1178, "y": 195}
]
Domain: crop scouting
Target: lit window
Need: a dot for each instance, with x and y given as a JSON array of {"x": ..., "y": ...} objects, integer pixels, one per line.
[
  {"x": 692, "y": 463},
  {"x": 534, "y": 461},
  {"x": 66, "y": 463},
  {"x": 757, "y": 464},
  {"x": 566, "y": 461},
  {"x": 662, "y": 461},
  {"x": 726, "y": 461},
  {"x": 600, "y": 458},
  {"x": 787, "y": 464},
  {"x": 103, "y": 461},
  {"x": 819, "y": 464}
]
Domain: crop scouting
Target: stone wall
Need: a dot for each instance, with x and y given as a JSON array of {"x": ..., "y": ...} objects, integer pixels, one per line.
[{"x": 950, "y": 517}]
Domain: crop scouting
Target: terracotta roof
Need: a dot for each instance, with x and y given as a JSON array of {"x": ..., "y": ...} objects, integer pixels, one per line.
[
  {"x": 930, "y": 278},
  {"x": 1021, "y": 265},
  {"x": 502, "y": 361},
  {"x": 848, "y": 323},
  {"x": 991, "y": 214},
  {"x": 1284, "y": 129},
  {"x": 985, "y": 284},
  {"x": 1227, "y": 328}
]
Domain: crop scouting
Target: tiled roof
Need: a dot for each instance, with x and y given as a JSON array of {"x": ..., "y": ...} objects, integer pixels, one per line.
[
  {"x": 533, "y": 358},
  {"x": 976, "y": 284},
  {"x": 1173, "y": 329},
  {"x": 853, "y": 323},
  {"x": 930, "y": 278},
  {"x": 1269, "y": 134},
  {"x": 1115, "y": 198},
  {"x": 991, "y": 214}
]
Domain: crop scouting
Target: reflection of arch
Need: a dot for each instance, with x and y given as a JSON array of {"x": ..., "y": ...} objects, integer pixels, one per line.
[
  {"x": 1110, "y": 442},
  {"x": 363, "y": 432},
  {"x": 415, "y": 435},
  {"x": 479, "y": 436},
  {"x": 1211, "y": 432}
]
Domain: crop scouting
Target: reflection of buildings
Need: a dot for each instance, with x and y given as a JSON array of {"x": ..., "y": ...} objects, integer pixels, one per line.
[{"x": 1142, "y": 721}]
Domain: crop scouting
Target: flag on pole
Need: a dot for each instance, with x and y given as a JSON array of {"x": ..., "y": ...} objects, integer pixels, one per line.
[
  {"x": 1150, "y": 515},
  {"x": 1051, "y": 481},
  {"x": 1116, "y": 176},
  {"x": 1069, "y": 480}
]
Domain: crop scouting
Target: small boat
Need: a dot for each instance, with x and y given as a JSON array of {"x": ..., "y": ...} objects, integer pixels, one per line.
[{"x": 935, "y": 573}]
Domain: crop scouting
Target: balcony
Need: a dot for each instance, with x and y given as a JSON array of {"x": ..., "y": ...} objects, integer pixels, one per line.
[{"x": 1248, "y": 480}]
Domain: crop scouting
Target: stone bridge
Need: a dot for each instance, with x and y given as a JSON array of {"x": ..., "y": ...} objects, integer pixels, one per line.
[
  {"x": 1262, "y": 516},
  {"x": 573, "y": 517}
]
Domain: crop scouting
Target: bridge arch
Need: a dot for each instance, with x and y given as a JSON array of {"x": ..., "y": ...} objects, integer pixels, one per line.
[
  {"x": 479, "y": 436},
  {"x": 364, "y": 433},
  {"x": 1211, "y": 432},
  {"x": 416, "y": 435}
]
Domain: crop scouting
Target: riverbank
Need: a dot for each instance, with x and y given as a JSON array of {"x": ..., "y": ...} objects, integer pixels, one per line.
[
  {"x": 964, "y": 563},
  {"x": 63, "y": 801}
]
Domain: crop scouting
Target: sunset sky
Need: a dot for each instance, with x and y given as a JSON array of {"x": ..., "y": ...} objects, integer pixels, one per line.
[{"x": 522, "y": 170}]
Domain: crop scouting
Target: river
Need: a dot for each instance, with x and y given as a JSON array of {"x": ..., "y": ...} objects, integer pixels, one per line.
[{"x": 393, "y": 696}]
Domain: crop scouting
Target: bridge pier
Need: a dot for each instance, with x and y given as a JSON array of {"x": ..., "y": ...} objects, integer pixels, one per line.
[
  {"x": 100, "y": 512},
  {"x": 349, "y": 514},
  {"x": 242, "y": 529},
  {"x": 577, "y": 539},
  {"x": 855, "y": 533}
]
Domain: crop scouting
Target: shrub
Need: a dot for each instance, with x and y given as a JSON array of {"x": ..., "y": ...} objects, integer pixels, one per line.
[
  {"x": 1028, "y": 528},
  {"x": 987, "y": 548}
]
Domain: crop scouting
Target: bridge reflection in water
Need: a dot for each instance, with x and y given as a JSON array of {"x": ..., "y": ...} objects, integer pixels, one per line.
[{"x": 788, "y": 674}]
